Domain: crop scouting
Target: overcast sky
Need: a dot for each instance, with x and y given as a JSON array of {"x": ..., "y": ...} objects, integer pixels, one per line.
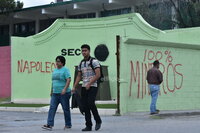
[{"x": 30, "y": 3}]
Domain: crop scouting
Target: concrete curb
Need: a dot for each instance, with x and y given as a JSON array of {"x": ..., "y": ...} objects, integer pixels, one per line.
[
  {"x": 18, "y": 109},
  {"x": 59, "y": 110},
  {"x": 167, "y": 113},
  {"x": 105, "y": 112},
  {"x": 179, "y": 113}
]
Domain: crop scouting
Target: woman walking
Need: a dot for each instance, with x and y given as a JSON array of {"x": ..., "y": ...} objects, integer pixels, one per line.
[{"x": 60, "y": 93}]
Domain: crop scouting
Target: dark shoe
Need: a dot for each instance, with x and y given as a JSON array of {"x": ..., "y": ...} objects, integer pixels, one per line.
[
  {"x": 67, "y": 127},
  {"x": 153, "y": 113},
  {"x": 47, "y": 127},
  {"x": 87, "y": 129},
  {"x": 98, "y": 126},
  {"x": 157, "y": 110}
]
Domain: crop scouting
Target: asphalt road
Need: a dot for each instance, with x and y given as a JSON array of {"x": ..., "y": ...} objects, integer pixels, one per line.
[{"x": 27, "y": 122}]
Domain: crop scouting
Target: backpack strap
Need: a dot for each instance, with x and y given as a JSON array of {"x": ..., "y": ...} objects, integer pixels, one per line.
[
  {"x": 91, "y": 60},
  {"x": 80, "y": 64}
]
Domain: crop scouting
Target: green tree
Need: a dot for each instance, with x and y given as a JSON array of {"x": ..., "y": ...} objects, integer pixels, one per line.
[
  {"x": 160, "y": 15},
  {"x": 187, "y": 12},
  {"x": 10, "y": 5},
  {"x": 157, "y": 14}
]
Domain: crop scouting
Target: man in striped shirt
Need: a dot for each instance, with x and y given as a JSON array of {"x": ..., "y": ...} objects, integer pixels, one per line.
[{"x": 89, "y": 72}]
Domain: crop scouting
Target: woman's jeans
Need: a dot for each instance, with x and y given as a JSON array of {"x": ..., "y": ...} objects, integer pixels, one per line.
[
  {"x": 55, "y": 100},
  {"x": 154, "y": 90}
]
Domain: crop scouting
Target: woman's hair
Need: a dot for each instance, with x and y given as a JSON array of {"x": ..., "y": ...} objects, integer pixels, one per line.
[{"x": 62, "y": 59}]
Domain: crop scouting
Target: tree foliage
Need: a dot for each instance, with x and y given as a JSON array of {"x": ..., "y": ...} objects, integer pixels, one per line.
[
  {"x": 187, "y": 12},
  {"x": 157, "y": 14},
  {"x": 160, "y": 14},
  {"x": 10, "y": 5}
]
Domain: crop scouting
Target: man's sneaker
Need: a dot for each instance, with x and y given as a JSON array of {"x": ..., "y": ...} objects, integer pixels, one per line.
[
  {"x": 87, "y": 129},
  {"x": 97, "y": 126},
  {"x": 47, "y": 127},
  {"x": 67, "y": 127},
  {"x": 157, "y": 110}
]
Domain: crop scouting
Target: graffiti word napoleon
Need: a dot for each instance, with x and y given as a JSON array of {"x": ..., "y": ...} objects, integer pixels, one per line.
[
  {"x": 171, "y": 72},
  {"x": 35, "y": 66}
]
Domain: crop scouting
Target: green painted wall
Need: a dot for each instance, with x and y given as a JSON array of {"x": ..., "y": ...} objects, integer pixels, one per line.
[
  {"x": 178, "y": 51},
  {"x": 180, "y": 88},
  {"x": 44, "y": 47}
]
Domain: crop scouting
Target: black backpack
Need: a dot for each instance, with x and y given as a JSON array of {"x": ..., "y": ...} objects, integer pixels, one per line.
[
  {"x": 76, "y": 102},
  {"x": 101, "y": 79}
]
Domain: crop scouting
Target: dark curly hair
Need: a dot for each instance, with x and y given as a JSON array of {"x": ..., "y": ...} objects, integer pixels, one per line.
[
  {"x": 62, "y": 59},
  {"x": 156, "y": 62}
]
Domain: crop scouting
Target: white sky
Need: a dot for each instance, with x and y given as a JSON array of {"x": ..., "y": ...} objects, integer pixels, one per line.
[{"x": 30, "y": 3}]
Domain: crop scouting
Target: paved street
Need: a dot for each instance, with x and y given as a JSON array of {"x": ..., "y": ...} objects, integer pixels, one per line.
[{"x": 27, "y": 122}]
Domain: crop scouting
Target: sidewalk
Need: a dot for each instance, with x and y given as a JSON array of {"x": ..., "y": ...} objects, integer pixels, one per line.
[
  {"x": 167, "y": 113},
  {"x": 162, "y": 114},
  {"x": 59, "y": 110}
]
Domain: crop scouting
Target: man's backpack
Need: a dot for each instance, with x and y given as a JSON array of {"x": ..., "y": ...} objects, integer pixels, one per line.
[{"x": 101, "y": 79}]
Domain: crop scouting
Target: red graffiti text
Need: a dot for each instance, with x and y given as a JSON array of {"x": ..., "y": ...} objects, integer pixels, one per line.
[{"x": 35, "y": 66}]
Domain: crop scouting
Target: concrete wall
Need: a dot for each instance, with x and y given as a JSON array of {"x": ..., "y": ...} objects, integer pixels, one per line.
[
  {"x": 180, "y": 88},
  {"x": 33, "y": 57},
  {"x": 5, "y": 72},
  {"x": 178, "y": 51}
]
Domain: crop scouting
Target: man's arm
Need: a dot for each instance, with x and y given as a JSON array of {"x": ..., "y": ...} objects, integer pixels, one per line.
[
  {"x": 78, "y": 79},
  {"x": 95, "y": 78},
  {"x": 160, "y": 76},
  {"x": 147, "y": 78}
]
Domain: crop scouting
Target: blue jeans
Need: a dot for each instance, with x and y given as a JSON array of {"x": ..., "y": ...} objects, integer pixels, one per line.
[
  {"x": 55, "y": 100},
  {"x": 154, "y": 90}
]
